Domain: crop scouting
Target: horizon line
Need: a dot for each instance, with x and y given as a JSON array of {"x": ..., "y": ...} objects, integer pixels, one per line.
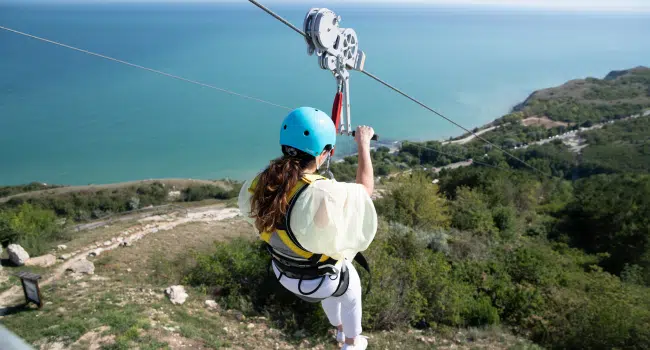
[{"x": 380, "y": 3}]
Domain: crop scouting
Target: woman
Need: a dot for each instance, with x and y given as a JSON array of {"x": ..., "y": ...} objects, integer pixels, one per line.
[{"x": 314, "y": 227}]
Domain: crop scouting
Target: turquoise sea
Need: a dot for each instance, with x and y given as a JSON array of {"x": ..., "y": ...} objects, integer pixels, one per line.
[{"x": 70, "y": 118}]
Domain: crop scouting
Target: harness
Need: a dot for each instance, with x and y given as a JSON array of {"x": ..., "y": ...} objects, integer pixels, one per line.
[{"x": 294, "y": 261}]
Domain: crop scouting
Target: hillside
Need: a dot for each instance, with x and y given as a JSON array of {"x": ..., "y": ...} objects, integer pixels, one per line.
[
  {"x": 487, "y": 255},
  {"x": 620, "y": 93},
  {"x": 123, "y": 305}
]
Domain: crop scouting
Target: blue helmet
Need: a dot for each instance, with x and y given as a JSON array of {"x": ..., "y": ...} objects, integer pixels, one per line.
[{"x": 309, "y": 130}]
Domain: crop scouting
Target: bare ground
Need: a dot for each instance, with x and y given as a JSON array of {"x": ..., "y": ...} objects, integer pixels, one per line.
[{"x": 543, "y": 121}]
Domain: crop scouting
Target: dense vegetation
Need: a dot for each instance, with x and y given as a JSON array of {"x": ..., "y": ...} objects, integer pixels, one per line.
[
  {"x": 619, "y": 147},
  {"x": 619, "y": 95},
  {"x": 31, "y": 227},
  {"x": 486, "y": 247}
]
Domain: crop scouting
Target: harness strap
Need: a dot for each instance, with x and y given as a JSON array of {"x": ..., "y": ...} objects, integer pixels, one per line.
[
  {"x": 311, "y": 268},
  {"x": 361, "y": 260}
]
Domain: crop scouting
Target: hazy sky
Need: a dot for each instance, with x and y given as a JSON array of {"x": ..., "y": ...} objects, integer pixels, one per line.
[{"x": 588, "y": 5}]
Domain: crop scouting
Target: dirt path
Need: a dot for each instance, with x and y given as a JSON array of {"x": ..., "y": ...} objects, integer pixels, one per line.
[{"x": 153, "y": 224}]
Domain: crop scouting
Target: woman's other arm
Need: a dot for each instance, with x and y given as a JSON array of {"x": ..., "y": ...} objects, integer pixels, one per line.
[{"x": 365, "y": 175}]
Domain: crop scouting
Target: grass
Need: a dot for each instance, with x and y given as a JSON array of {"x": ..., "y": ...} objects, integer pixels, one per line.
[
  {"x": 160, "y": 260},
  {"x": 200, "y": 326},
  {"x": 81, "y": 314}
]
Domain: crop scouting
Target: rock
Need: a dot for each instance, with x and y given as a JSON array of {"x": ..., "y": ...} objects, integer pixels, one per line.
[
  {"x": 176, "y": 294},
  {"x": 125, "y": 243},
  {"x": 95, "y": 252},
  {"x": 239, "y": 316},
  {"x": 212, "y": 305},
  {"x": 60, "y": 310},
  {"x": 128, "y": 270},
  {"x": 173, "y": 195},
  {"x": 65, "y": 257},
  {"x": 107, "y": 243},
  {"x": 62, "y": 247},
  {"x": 250, "y": 326},
  {"x": 99, "y": 278},
  {"x": 42, "y": 261},
  {"x": 82, "y": 266},
  {"x": 17, "y": 254},
  {"x": 53, "y": 346},
  {"x": 169, "y": 329}
]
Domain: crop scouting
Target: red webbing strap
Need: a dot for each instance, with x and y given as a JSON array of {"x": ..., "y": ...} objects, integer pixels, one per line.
[{"x": 336, "y": 111}]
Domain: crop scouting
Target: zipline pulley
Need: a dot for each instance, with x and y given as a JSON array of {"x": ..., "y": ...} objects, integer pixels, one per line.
[{"x": 337, "y": 50}]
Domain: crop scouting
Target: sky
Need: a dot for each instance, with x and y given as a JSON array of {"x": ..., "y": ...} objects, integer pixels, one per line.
[{"x": 577, "y": 5}]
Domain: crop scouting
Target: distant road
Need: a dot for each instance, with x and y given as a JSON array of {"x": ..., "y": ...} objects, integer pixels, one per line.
[
  {"x": 470, "y": 137},
  {"x": 573, "y": 139}
]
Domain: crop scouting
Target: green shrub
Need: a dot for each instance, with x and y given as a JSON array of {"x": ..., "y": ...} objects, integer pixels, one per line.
[
  {"x": 415, "y": 202},
  {"x": 550, "y": 292},
  {"x": 238, "y": 272},
  {"x": 506, "y": 220},
  {"x": 33, "y": 228},
  {"x": 197, "y": 193},
  {"x": 470, "y": 212}
]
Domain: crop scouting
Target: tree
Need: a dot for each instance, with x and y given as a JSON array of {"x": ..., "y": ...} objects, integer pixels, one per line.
[
  {"x": 611, "y": 214},
  {"x": 415, "y": 202},
  {"x": 470, "y": 212}
]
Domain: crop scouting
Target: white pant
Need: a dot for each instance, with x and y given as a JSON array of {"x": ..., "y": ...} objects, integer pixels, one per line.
[{"x": 345, "y": 310}]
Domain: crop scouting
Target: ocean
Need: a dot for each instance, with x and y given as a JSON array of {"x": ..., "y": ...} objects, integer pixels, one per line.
[{"x": 70, "y": 118}]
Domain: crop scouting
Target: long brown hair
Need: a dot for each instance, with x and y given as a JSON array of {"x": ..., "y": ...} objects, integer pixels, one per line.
[{"x": 270, "y": 201}]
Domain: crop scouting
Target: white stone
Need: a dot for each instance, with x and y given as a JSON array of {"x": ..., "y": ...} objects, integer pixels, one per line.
[
  {"x": 173, "y": 195},
  {"x": 176, "y": 294},
  {"x": 212, "y": 305},
  {"x": 17, "y": 254},
  {"x": 95, "y": 252},
  {"x": 62, "y": 247},
  {"x": 53, "y": 346},
  {"x": 82, "y": 266},
  {"x": 42, "y": 261}
]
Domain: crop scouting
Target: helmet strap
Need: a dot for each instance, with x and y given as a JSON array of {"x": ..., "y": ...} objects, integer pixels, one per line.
[{"x": 327, "y": 173}]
